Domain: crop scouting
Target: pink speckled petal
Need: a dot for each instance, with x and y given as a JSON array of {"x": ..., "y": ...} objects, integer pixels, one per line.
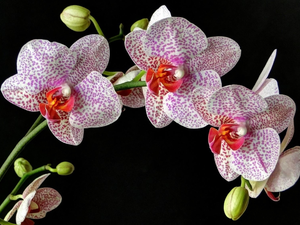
[
  {"x": 23, "y": 209},
  {"x": 14, "y": 91},
  {"x": 47, "y": 199},
  {"x": 64, "y": 132},
  {"x": 43, "y": 64},
  {"x": 281, "y": 110},
  {"x": 161, "y": 13},
  {"x": 236, "y": 102},
  {"x": 12, "y": 211},
  {"x": 154, "y": 108},
  {"x": 258, "y": 156},
  {"x": 287, "y": 171},
  {"x": 134, "y": 46},
  {"x": 34, "y": 185},
  {"x": 174, "y": 39},
  {"x": 223, "y": 163},
  {"x": 257, "y": 187},
  {"x": 92, "y": 55},
  {"x": 180, "y": 105},
  {"x": 221, "y": 55},
  {"x": 268, "y": 88},
  {"x": 97, "y": 103},
  {"x": 135, "y": 99},
  {"x": 265, "y": 72}
]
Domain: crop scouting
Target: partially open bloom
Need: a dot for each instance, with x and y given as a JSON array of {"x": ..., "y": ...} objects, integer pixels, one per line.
[
  {"x": 134, "y": 97},
  {"x": 36, "y": 202},
  {"x": 247, "y": 141},
  {"x": 174, "y": 52},
  {"x": 65, "y": 85}
]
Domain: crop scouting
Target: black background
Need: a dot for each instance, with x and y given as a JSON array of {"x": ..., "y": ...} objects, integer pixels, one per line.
[{"x": 130, "y": 172}]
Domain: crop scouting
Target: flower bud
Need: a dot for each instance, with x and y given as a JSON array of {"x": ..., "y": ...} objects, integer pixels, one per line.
[
  {"x": 143, "y": 24},
  {"x": 236, "y": 203},
  {"x": 22, "y": 166},
  {"x": 65, "y": 168},
  {"x": 76, "y": 18}
]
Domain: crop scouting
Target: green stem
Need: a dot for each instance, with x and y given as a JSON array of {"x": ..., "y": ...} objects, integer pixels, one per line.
[
  {"x": 19, "y": 184},
  {"x": 35, "y": 124},
  {"x": 96, "y": 25},
  {"x": 139, "y": 76},
  {"x": 245, "y": 181},
  {"x": 19, "y": 147},
  {"x": 120, "y": 36},
  {"x": 109, "y": 73},
  {"x": 3, "y": 222},
  {"x": 130, "y": 84}
]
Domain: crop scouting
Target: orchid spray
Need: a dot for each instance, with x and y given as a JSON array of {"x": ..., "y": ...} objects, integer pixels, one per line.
[{"x": 175, "y": 75}]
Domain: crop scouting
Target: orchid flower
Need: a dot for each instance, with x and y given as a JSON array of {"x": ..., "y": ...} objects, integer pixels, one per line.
[
  {"x": 247, "y": 141},
  {"x": 134, "y": 97},
  {"x": 174, "y": 53},
  {"x": 65, "y": 85},
  {"x": 36, "y": 202}
]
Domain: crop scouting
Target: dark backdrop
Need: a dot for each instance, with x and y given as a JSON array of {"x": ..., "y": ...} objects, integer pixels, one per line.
[{"x": 130, "y": 172}]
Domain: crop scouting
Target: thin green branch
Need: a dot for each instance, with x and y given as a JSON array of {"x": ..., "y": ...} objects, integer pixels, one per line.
[
  {"x": 19, "y": 147},
  {"x": 129, "y": 85},
  {"x": 96, "y": 25}
]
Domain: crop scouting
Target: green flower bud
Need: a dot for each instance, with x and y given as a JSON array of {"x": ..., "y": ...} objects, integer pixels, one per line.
[
  {"x": 143, "y": 24},
  {"x": 22, "y": 166},
  {"x": 76, "y": 18},
  {"x": 236, "y": 203},
  {"x": 65, "y": 168}
]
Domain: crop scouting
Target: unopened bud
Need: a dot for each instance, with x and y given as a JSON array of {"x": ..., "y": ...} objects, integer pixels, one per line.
[
  {"x": 65, "y": 168},
  {"x": 22, "y": 166},
  {"x": 143, "y": 24},
  {"x": 236, "y": 203},
  {"x": 76, "y": 18}
]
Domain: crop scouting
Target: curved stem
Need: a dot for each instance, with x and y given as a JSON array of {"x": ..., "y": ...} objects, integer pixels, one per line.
[
  {"x": 120, "y": 36},
  {"x": 130, "y": 84},
  {"x": 96, "y": 25},
  {"x": 19, "y": 147},
  {"x": 7, "y": 200},
  {"x": 36, "y": 123},
  {"x": 3, "y": 222}
]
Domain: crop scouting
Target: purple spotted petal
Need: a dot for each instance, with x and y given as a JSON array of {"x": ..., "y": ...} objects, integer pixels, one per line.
[
  {"x": 43, "y": 64},
  {"x": 23, "y": 209},
  {"x": 97, "y": 104},
  {"x": 92, "y": 55},
  {"x": 154, "y": 108},
  {"x": 223, "y": 163},
  {"x": 135, "y": 99},
  {"x": 64, "y": 132},
  {"x": 288, "y": 136},
  {"x": 281, "y": 110},
  {"x": 34, "y": 185},
  {"x": 265, "y": 72},
  {"x": 161, "y": 13},
  {"x": 287, "y": 171},
  {"x": 221, "y": 55},
  {"x": 268, "y": 88},
  {"x": 14, "y": 91},
  {"x": 174, "y": 39},
  {"x": 47, "y": 199},
  {"x": 134, "y": 46},
  {"x": 258, "y": 156},
  {"x": 180, "y": 105},
  {"x": 236, "y": 102}
]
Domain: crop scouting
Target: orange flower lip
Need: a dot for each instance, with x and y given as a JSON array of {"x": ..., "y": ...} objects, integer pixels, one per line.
[
  {"x": 59, "y": 98},
  {"x": 169, "y": 75}
]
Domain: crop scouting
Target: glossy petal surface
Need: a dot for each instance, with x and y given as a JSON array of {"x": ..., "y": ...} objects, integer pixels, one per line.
[
  {"x": 23, "y": 209},
  {"x": 161, "y": 13},
  {"x": 34, "y": 185}
]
